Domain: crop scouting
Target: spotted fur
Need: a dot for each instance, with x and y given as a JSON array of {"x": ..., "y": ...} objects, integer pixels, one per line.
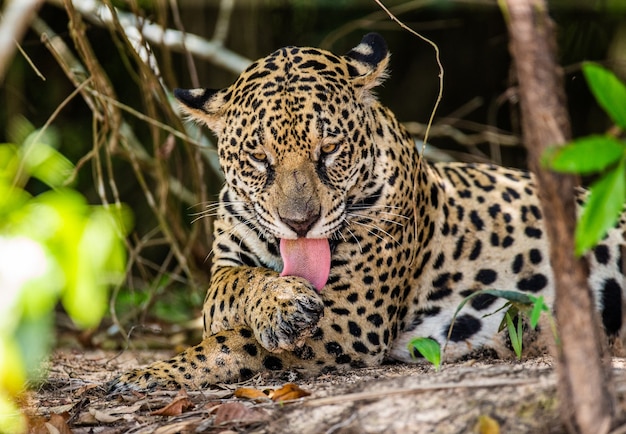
[{"x": 308, "y": 151}]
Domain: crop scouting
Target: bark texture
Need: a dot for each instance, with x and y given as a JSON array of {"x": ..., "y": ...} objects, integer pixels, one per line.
[{"x": 586, "y": 398}]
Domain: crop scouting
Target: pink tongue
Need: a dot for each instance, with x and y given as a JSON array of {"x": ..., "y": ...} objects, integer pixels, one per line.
[{"x": 306, "y": 258}]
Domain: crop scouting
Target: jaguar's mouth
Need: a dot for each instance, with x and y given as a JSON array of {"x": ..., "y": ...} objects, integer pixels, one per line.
[{"x": 308, "y": 258}]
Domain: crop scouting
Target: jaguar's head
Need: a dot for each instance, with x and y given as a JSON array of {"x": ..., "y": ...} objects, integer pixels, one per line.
[{"x": 295, "y": 135}]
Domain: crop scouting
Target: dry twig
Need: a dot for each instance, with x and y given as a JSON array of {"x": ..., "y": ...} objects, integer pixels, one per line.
[
  {"x": 96, "y": 12},
  {"x": 16, "y": 18}
]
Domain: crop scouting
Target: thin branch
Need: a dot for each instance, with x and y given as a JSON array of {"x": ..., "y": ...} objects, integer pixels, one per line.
[
  {"x": 223, "y": 21},
  {"x": 446, "y": 130},
  {"x": 30, "y": 62},
  {"x": 97, "y": 13},
  {"x": 437, "y": 58},
  {"x": 435, "y": 106},
  {"x": 193, "y": 72},
  {"x": 375, "y": 17},
  {"x": 16, "y": 18},
  {"x": 78, "y": 75}
]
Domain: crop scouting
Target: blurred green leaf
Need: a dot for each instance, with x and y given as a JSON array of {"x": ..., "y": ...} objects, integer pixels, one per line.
[
  {"x": 177, "y": 305},
  {"x": 18, "y": 129},
  {"x": 34, "y": 272},
  {"x": 12, "y": 379},
  {"x": 12, "y": 371},
  {"x": 53, "y": 246},
  {"x": 54, "y": 218},
  {"x": 35, "y": 339},
  {"x": 95, "y": 269},
  {"x": 11, "y": 199},
  {"x": 9, "y": 163},
  {"x": 585, "y": 155},
  {"x": 608, "y": 90},
  {"x": 46, "y": 164},
  {"x": 602, "y": 209}
]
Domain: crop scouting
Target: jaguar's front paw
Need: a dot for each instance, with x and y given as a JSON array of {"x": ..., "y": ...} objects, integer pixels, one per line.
[{"x": 291, "y": 315}]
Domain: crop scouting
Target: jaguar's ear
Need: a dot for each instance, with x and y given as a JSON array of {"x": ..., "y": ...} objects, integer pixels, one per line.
[
  {"x": 369, "y": 61},
  {"x": 204, "y": 105}
]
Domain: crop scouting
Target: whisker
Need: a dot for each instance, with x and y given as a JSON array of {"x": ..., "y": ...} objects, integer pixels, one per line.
[
  {"x": 371, "y": 218},
  {"x": 204, "y": 214},
  {"x": 201, "y": 215},
  {"x": 371, "y": 229},
  {"x": 246, "y": 232},
  {"x": 219, "y": 203},
  {"x": 231, "y": 232},
  {"x": 365, "y": 206},
  {"x": 355, "y": 239},
  {"x": 388, "y": 213},
  {"x": 212, "y": 210},
  {"x": 203, "y": 204}
]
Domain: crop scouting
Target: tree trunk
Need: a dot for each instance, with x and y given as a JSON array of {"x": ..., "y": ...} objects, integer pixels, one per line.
[{"x": 586, "y": 400}]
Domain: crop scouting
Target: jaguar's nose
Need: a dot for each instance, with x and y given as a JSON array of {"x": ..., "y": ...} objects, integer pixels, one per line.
[{"x": 301, "y": 227}]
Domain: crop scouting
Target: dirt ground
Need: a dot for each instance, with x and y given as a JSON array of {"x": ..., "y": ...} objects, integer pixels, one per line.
[{"x": 486, "y": 397}]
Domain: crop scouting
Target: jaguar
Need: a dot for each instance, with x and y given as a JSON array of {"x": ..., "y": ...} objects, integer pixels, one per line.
[{"x": 336, "y": 243}]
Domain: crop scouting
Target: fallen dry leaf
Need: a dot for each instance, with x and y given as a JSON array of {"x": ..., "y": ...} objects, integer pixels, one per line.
[
  {"x": 36, "y": 425},
  {"x": 66, "y": 408},
  {"x": 232, "y": 412},
  {"x": 288, "y": 392},
  {"x": 55, "y": 424},
  {"x": 187, "y": 426},
  {"x": 126, "y": 409},
  {"x": 250, "y": 393},
  {"x": 103, "y": 416},
  {"x": 87, "y": 388},
  {"x": 59, "y": 421},
  {"x": 85, "y": 418},
  {"x": 180, "y": 404}
]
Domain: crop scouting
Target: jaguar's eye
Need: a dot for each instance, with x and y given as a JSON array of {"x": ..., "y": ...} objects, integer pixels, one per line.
[
  {"x": 329, "y": 148},
  {"x": 259, "y": 157}
]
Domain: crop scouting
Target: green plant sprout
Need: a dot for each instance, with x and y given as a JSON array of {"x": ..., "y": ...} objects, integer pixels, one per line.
[
  {"x": 604, "y": 155},
  {"x": 516, "y": 333},
  {"x": 427, "y": 347},
  {"x": 517, "y": 306},
  {"x": 54, "y": 247}
]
